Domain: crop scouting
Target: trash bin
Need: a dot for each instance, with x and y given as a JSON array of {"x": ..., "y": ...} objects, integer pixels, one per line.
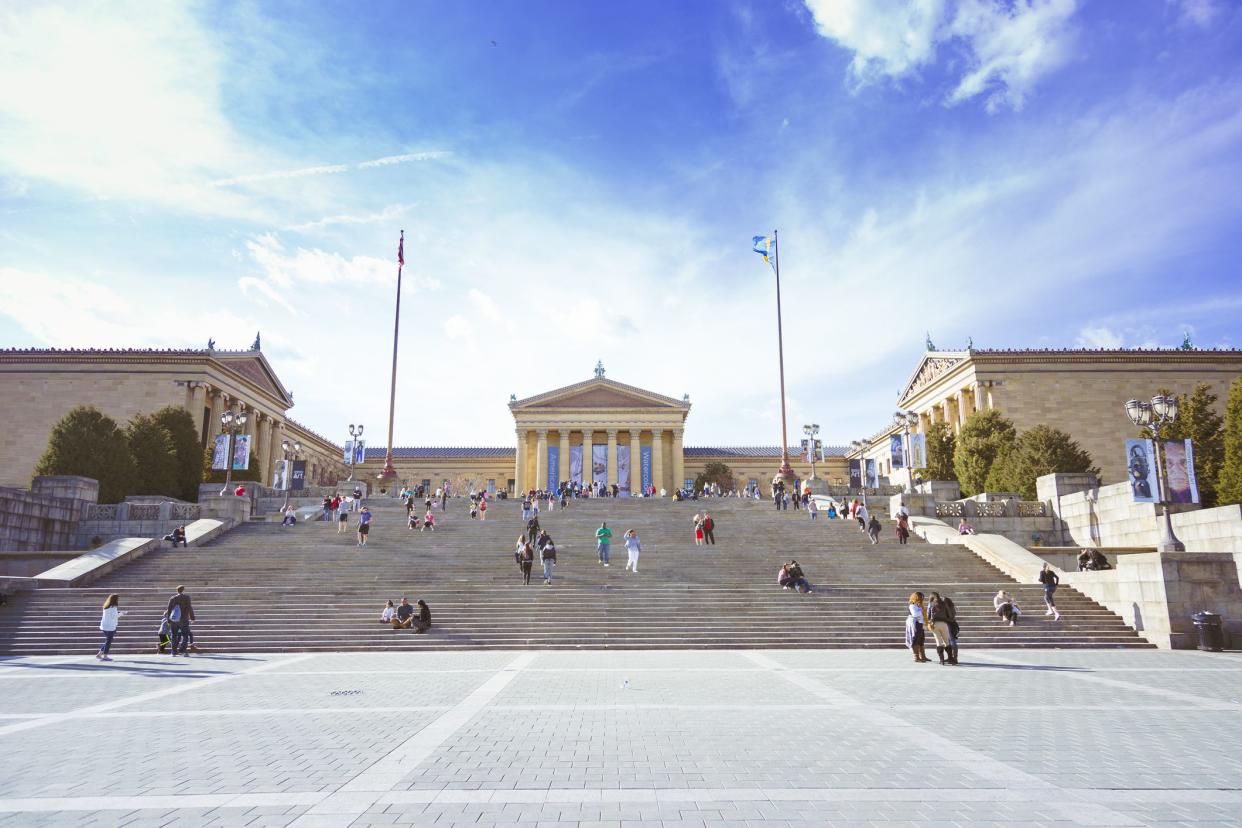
[{"x": 1210, "y": 637}]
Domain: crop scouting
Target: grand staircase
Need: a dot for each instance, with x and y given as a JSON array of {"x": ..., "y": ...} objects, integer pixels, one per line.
[{"x": 267, "y": 588}]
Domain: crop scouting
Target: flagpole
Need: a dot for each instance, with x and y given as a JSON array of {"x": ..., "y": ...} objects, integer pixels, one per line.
[
  {"x": 389, "y": 471},
  {"x": 786, "y": 471}
]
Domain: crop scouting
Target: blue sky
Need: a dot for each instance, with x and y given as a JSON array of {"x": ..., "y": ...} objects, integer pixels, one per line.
[{"x": 580, "y": 181}]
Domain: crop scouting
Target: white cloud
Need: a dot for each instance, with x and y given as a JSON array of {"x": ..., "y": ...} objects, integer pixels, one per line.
[
  {"x": 1099, "y": 337},
  {"x": 392, "y": 211},
  {"x": 458, "y": 327},
  {"x": 1201, "y": 13},
  {"x": 304, "y": 266},
  {"x": 1008, "y": 46},
  {"x": 249, "y": 286},
  {"x": 330, "y": 169},
  {"x": 389, "y": 160}
]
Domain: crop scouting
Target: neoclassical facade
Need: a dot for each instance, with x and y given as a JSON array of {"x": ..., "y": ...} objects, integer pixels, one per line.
[
  {"x": 39, "y": 386},
  {"x": 1080, "y": 391}
]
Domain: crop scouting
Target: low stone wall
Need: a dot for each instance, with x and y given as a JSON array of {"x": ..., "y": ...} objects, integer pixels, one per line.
[
  {"x": 141, "y": 517},
  {"x": 1023, "y": 522},
  {"x": 1106, "y": 516},
  {"x": 30, "y": 563},
  {"x": 44, "y": 517}
]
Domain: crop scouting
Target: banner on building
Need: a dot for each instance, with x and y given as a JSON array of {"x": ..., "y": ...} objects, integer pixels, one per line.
[
  {"x": 918, "y": 451},
  {"x": 855, "y": 474},
  {"x": 554, "y": 468},
  {"x": 1141, "y": 471},
  {"x": 280, "y": 475},
  {"x": 896, "y": 451},
  {"x": 241, "y": 452},
  {"x": 220, "y": 453},
  {"x": 360, "y": 451},
  {"x": 599, "y": 463},
  {"x": 575, "y": 465},
  {"x": 1179, "y": 469},
  {"x": 644, "y": 454},
  {"x": 349, "y": 451},
  {"x": 873, "y": 479},
  {"x": 299, "y": 475},
  {"x": 623, "y": 470}
]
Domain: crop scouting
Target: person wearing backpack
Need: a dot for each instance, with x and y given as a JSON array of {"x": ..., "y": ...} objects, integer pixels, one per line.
[
  {"x": 180, "y": 613},
  {"x": 938, "y": 622},
  {"x": 1050, "y": 580}
]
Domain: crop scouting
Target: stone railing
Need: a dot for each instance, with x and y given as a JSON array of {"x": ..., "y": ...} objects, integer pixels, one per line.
[
  {"x": 993, "y": 509},
  {"x": 184, "y": 511},
  {"x": 1032, "y": 508},
  {"x": 954, "y": 508},
  {"x": 102, "y": 512},
  {"x": 143, "y": 511}
]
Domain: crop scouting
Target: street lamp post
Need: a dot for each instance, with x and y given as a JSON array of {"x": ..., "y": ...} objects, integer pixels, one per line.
[
  {"x": 1161, "y": 411},
  {"x": 234, "y": 424},
  {"x": 811, "y": 430},
  {"x": 354, "y": 437},
  {"x": 288, "y": 448},
  {"x": 905, "y": 419},
  {"x": 864, "y": 444}
]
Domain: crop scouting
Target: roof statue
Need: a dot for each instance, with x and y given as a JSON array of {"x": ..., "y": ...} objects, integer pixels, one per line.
[
  {"x": 929, "y": 344},
  {"x": 599, "y": 369},
  {"x": 211, "y": 344},
  {"x": 255, "y": 346},
  {"x": 686, "y": 398},
  {"x": 970, "y": 343},
  {"x": 1187, "y": 345},
  {"x": 513, "y": 398}
]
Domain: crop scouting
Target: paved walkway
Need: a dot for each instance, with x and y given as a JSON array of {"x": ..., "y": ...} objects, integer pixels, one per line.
[{"x": 623, "y": 738}]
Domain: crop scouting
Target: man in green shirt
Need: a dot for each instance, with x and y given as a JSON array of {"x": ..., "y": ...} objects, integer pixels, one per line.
[{"x": 603, "y": 541}]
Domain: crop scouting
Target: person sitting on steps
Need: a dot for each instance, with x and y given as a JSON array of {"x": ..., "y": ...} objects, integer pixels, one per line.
[
  {"x": 405, "y": 615},
  {"x": 1006, "y": 607}
]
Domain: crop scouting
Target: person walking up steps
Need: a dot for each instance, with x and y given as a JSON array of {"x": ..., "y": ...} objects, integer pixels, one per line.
[
  {"x": 526, "y": 561},
  {"x": 108, "y": 623},
  {"x": 342, "y": 518},
  {"x": 1050, "y": 580},
  {"x": 709, "y": 529},
  {"x": 632, "y": 549},
  {"x": 180, "y": 613},
  {"x": 873, "y": 529},
  {"x": 603, "y": 542},
  {"x": 903, "y": 528}
]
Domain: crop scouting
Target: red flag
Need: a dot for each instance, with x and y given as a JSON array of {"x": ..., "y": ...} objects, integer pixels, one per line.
[{"x": 401, "y": 250}]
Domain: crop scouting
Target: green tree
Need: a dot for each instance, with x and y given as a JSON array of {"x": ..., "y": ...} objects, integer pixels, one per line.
[
  {"x": 187, "y": 449},
  {"x": 1229, "y": 481},
  {"x": 1198, "y": 422},
  {"x": 984, "y": 436},
  {"x": 1036, "y": 452},
  {"x": 89, "y": 443},
  {"x": 155, "y": 459},
  {"x": 941, "y": 443},
  {"x": 717, "y": 473}
]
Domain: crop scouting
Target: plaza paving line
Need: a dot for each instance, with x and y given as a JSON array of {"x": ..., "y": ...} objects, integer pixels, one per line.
[
  {"x": 55, "y": 718},
  {"x": 589, "y": 796},
  {"x": 903, "y": 731},
  {"x": 1088, "y": 676},
  {"x": 363, "y": 790},
  {"x": 248, "y": 711}
]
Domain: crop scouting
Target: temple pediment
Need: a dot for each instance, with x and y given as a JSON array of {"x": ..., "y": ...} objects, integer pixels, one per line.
[
  {"x": 934, "y": 364},
  {"x": 255, "y": 368},
  {"x": 599, "y": 393}
]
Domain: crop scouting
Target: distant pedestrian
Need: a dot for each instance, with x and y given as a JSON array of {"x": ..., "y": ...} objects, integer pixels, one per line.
[
  {"x": 547, "y": 556},
  {"x": 633, "y": 547},
  {"x": 812, "y": 508},
  {"x": 873, "y": 529},
  {"x": 709, "y": 529},
  {"x": 526, "y": 561},
  {"x": 327, "y": 508},
  {"x": 483, "y": 508},
  {"x": 903, "y": 528},
  {"x": 180, "y": 614},
  {"x": 108, "y": 623},
  {"x": 603, "y": 542},
  {"x": 861, "y": 515},
  {"x": 1050, "y": 579},
  {"x": 364, "y": 525},
  {"x": 698, "y": 530},
  {"x": 954, "y": 627},
  {"x": 342, "y": 518}
]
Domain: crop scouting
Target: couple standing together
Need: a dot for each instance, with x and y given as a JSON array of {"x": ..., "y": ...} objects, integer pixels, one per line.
[{"x": 633, "y": 546}]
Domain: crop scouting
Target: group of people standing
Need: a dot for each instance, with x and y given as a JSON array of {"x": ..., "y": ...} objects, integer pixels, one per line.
[
  {"x": 174, "y": 631},
  {"x": 938, "y": 614}
]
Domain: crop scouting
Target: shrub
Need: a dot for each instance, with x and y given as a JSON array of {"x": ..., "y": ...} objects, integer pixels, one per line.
[
  {"x": 89, "y": 443},
  {"x": 984, "y": 436}
]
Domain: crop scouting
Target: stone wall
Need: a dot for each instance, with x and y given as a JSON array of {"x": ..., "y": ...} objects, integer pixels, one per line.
[
  {"x": 143, "y": 517},
  {"x": 1106, "y": 516},
  {"x": 44, "y": 518}
]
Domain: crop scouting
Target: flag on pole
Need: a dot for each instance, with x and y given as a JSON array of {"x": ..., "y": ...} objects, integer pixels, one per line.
[
  {"x": 764, "y": 246},
  {"x": 401, "y": 250}
]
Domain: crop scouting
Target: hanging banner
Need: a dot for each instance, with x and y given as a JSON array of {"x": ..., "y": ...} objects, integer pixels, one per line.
[
  {"x": 644, "y": 455},
  {"x": 1179, "y": 467},
  {"x": 349, "y": 451},
  {"x": 599, "y": 463},
  {"x": 241, "y": 452},
  {"x": 873, "y": 479},
  {"x": 623, "y": 470},
  {"x": 554, "y": 469},
  {"x": 896, "y": 452},
  {"x": 360, "y": 451},
  {"x": 855, "y": 474},
  {"x": 575, "y": 464},
  {"x": 220, "y": 453},
  {"x": 1141, "y": 468},
  {"x": 280, "y": 475},
  {"x": 918, "y": 451},
  {"x": 299, "y": 475}
]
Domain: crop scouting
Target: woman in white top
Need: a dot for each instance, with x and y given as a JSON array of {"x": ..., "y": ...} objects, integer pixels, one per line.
[
  {"x": 388, "y": 613},
  {"x": 108, "y": 623},
  {"x": 632, "y": 547},
  {"x": 1006, "y": 607}
]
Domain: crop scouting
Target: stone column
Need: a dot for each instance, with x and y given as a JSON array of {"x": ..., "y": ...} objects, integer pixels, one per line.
[
  {"x": 612, "y": 457},
  {"x": 925, "y": 421},
  {"x": 636, "y": 463},
  {"x": 541, "y": 458},
  {"x": 563, "y": 471},
  {"x": 198, "y": 401},
  {"x": 979, "y": 394},
  {"x": 218, "y": 407},
  {"x": 657, "y": 459},
  {"x": 263, "y": 449},
  {"x": 519, "y": 471},
  {"x": 275, "y": 454},
  {"x": 962, "y": 413},
  {"x": 679, "y": 460},
  {"x": 945, "y": 416},
  {"x": 588, "y": 437}
]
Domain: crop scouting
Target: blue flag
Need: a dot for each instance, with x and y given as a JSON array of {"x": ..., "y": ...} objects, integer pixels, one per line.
[{"x": 765, "y": 247}]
